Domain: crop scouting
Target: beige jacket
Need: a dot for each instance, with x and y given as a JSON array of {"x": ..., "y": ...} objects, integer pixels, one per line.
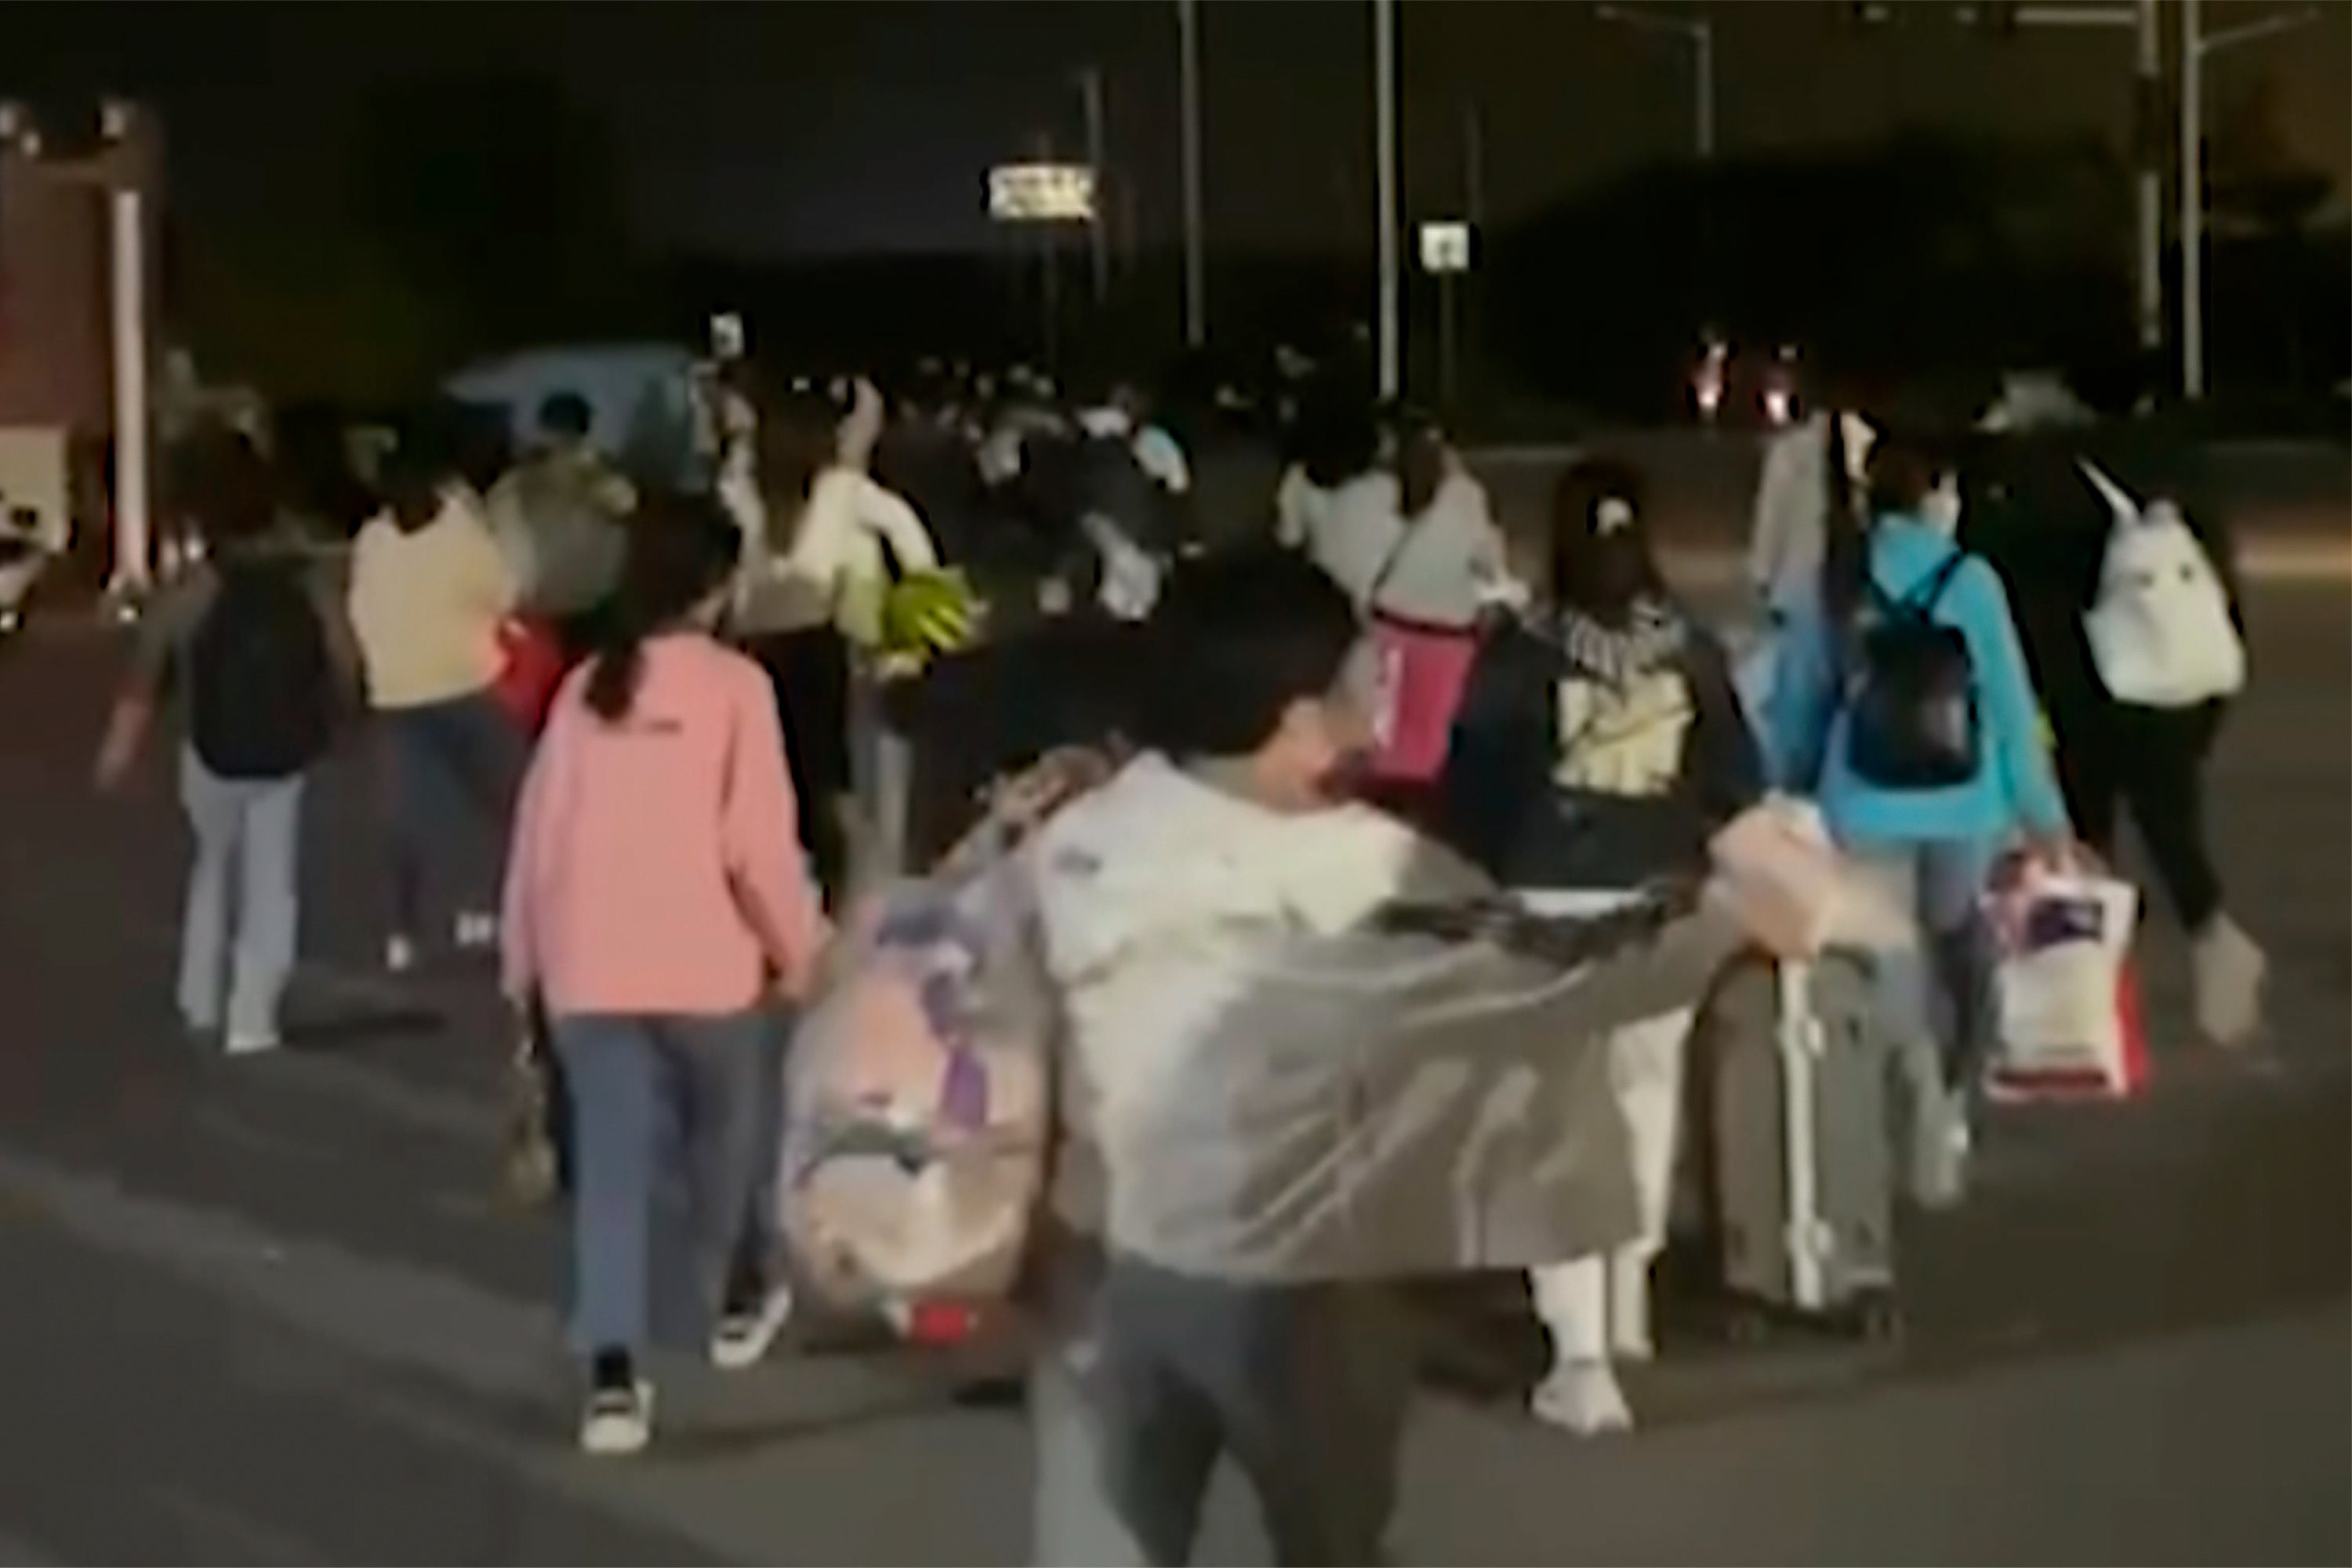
[{"x": 426, "y": 606}]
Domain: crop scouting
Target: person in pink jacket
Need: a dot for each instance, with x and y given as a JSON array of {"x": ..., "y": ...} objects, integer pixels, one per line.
[{"x": 659, "y": 908}]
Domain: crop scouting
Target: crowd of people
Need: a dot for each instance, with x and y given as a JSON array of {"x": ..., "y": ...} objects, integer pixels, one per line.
[{"x": 1306, "y": 631}]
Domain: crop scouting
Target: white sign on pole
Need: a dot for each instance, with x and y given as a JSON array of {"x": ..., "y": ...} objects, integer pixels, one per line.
[
  {"x": 1041, "y": 193},
  {"x": 1445, "y": 246}
]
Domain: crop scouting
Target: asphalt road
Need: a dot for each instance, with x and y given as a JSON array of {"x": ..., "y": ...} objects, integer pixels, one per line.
[{"x": 268, "y": 1311}]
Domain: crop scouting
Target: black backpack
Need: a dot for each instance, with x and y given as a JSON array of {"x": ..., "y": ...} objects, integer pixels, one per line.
[
  {"x": 260, "y": 688},
  {"x": 1911, "y": 703},
  {"x": 1112, "y": 483}
]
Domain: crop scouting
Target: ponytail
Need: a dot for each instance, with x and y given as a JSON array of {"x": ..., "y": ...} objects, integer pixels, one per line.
[
  {"x": 612, "y": 678},
  {"x": 1845, "y": 539}
]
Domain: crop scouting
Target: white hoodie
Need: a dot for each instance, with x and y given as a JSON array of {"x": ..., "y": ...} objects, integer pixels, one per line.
[{"x": 1793, "y": 502}]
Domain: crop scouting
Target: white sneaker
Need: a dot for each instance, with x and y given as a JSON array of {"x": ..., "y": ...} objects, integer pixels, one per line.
[
  {"x": 1582, "y": 1397},
  {"x": 251, "y": 1045},
  {"x": 617, "y": 1421},
  {"x": 476, "y": 931},
  {"x": 743, "y": 1339},
  {"x": 2228, "y": 970},
  {"x": 399, "y": 954}
]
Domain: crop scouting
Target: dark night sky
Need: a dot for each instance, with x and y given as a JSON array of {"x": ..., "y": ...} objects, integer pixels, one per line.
[{"x": 860, "y": 124}]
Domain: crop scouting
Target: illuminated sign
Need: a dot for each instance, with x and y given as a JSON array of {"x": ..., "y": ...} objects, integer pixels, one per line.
[
  {"x": 1042, "y": 193},
  {"x": 1445, "y": 248}
]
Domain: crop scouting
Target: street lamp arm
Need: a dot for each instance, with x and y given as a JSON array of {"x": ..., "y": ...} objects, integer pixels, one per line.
[
  {"x": 2213, "y": 43},
  {"x": 1679, "y": 26}
]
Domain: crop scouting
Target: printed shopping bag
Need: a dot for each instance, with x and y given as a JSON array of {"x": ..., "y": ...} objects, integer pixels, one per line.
[
  {"x": 2065, "y": 1000},
  {"x": 1423, "y": 670}
]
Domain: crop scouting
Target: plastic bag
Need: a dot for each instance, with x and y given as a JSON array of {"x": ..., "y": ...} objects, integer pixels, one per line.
[
  {"x": 918, "y": 1092},
  {"x": 2066, "y": 1001},
  {"x": 533, "y": 669}
]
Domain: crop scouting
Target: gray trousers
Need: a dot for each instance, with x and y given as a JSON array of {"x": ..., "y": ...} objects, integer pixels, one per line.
[
  {"x": 881, "y": 775},
  {"x": 244, "y": 905},
  {"x": 1304, "y": 1387}
]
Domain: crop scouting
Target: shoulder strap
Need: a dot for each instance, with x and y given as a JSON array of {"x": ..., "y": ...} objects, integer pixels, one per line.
[
  {"x": 1389, "y": 564},
  {"x": 1920, "y": 599},
  {"x": 1925, "y": 597}
]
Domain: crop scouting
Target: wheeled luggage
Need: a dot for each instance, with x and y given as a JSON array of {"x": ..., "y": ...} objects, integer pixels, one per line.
[{"x": 1803, "y": 1174}]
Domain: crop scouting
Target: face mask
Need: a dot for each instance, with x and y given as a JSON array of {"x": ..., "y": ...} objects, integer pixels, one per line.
[{"x": 1940, "y": 510}]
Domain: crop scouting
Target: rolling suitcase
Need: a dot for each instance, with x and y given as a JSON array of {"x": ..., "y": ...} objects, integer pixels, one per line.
[{"x": 1803, "y": 1171}]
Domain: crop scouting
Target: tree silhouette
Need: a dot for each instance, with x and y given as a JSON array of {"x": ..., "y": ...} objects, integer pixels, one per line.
[
  {"x": 2254, "y": 181},
  {"x": 497, "y": 192}
]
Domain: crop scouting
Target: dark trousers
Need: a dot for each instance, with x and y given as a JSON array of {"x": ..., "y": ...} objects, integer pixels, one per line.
[
  {"x": 2152, "y": 760},
  {"x": 1306, "y": 1386},
  {"x": 453, "y": 770},
  {"x": 810, "y": 671}
]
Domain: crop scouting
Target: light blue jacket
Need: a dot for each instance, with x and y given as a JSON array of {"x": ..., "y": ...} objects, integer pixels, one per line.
[{"x": 2014, "y": 788}]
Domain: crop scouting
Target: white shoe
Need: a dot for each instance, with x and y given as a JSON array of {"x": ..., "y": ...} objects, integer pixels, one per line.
[
  {"x": 476, "y": 932},
  {"x": 743, "y": 1339},
  {"x": 617, "y": 1421},
  {"x": 1582, "y": 1397},
  {"x": 251, "y": 1045},
  {"x": 399, "y": 954},
  {"x": 2228, "y": 970}
]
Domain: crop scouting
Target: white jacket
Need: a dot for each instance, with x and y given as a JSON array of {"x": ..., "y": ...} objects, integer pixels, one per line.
[
  {"x": 1440, "y": 569},
  {"x": 837, "y": 557},
  {"x": 1791, "y": 519}
]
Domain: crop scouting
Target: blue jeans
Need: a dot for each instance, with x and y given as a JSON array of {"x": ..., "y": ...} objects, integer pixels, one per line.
[
  {"x": 1938, "y": 992},
  {"x": 248, "y": 834},
  {"x": 661, "y": 1106},
  {"x": 452, "y": 768},
  {"x": 1935, "y": 998}
]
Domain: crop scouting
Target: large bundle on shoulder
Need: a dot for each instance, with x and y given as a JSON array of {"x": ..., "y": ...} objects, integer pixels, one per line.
[{"x": 919, "y": 1112}]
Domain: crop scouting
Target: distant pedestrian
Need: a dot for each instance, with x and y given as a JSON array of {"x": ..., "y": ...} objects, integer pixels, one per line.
[
  {"x": 2037, "y": 518},
  {"x": 428, "y": 591},
  {"x": 1800, "y": 486},
  {"x": 811, "y": 590},
  {"x": 255, "y": 649},
  {"x": 560, "y": 519},
  {"x": 1236, "y": 471},
  {"x": 658, "y": 905}
]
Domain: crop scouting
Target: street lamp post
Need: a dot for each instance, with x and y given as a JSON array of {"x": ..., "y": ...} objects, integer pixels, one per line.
[
  {"x": 1700, "y": 34},
  {"x": 1196, "y": 285},
  {"x": 2195, "y": 45},
  {"x": 1090, "y": 92},
  {"x": 1384, "y": 138},
  {"x": 2148, "y": 131}
]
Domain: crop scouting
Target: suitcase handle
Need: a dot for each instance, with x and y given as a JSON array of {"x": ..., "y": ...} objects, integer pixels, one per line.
[{"x": 1797, "y": 1036}]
